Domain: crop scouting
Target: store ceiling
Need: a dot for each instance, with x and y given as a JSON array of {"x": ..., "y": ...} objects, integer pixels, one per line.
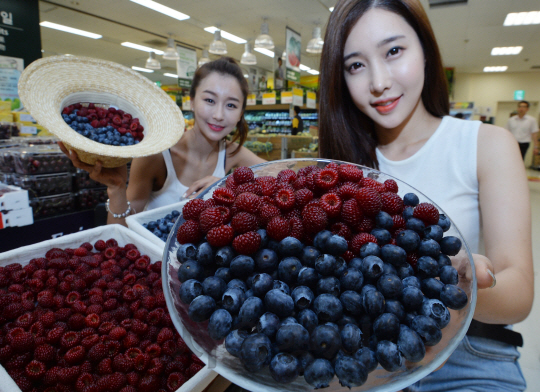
[{"x": 466, "y": 32}]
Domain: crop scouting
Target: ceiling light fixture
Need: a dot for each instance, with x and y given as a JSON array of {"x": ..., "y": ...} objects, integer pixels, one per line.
[
  {"x": 142, "y": 69},
  {"x": 331, "y": 9},
  {"x": 522, "y": 18},
  {"x": 218, "y": 46},
  {"x": 163, "y": 9},
  {"x": 152, "y": 62},
  {"x": 315, "y": 44},
  {"x": 507, "y": 50},
  {"x": 205, "y": 57},
  {"x": 224, "y": 34},
  {"x": 141, "y": 47},
  {"x": 313, "y": 71},
  {"x": 304, "y": 67},
  {"x": 248, "y": 58},
  {"x": 266, "y": 52},
  {"x": 171, "y": 53},
  {"x": 264, "y": 41},
  {"x": 500, "y": 68},
  {"x": 70, "y": 30},
  {"x": 170, "y": 75}
]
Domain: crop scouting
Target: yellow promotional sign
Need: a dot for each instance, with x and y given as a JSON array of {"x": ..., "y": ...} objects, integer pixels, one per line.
[
  {"x": 311, "y": 100},
  {"x": 298, "y": 96},
  {"x": 251, "y": 99},
  {"x": 186, "y": 103},
  {"x": 269, "y": 98},
  {"x": 286, "y": 97}
]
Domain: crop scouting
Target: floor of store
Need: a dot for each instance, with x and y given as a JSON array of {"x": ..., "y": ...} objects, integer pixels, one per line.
[{"x": 530, "y": 352}]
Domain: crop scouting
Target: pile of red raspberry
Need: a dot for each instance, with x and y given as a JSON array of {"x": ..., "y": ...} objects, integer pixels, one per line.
[
  {"x": 90, "y": 319},
  {"x": 337, "y": 198}
]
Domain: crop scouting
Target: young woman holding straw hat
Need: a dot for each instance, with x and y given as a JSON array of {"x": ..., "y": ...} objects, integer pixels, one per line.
[
  {"x": 201, "y": 157},
  {"x": 386, "y": 106}
]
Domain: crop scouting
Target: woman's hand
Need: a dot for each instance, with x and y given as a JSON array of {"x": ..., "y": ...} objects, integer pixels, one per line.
[
  {"x": 111, "y": 177},
  {"x": 200, "y": 185},
  {"x": 485, "y": 273}
]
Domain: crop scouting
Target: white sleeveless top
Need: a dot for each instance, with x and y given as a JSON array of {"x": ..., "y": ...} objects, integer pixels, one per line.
[
  {"x": 173, "y": 189},
  {"x": 445, "y": 170}
]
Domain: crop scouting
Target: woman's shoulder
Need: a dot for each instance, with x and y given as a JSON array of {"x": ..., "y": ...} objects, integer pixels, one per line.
[{"x": 489, "y": 135}]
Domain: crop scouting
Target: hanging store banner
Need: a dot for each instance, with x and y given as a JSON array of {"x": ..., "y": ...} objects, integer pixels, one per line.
[
  {"x": 311, "y": 100},
  {"x": 269, "y": 98},
  {"x": 186, "y": 66},
  {"x": 286, "y": 97},
  {"x": 298, "y": 96},
  {"x": 293, "y": 49}
]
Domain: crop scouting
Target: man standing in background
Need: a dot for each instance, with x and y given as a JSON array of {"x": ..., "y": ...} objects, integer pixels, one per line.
[
  {"x": 524, "y": 128},
  {"x": 297, "y": 122}
]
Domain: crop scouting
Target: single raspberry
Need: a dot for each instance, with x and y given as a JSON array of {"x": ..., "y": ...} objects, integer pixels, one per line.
[
  {"x": 155, "y": 367},
  {"x": 141, "y": 264},
  {"x": 149, "y": 383},
  {"x": 209, "y": 203},
  {"x": 314, "y": 218},
  {"x": 350, "y": 173},
  {"x": 230, "y": 184},
  {"x": 299, "y": 183},
  {"x": 155, "y": 316},
  {"x": 153, "y": 350},
  {"x": 164, "y": 335},
  {"x": 69, "y": 339},
  {"x": 175, "y": 381},
  {"x": 297, "y": 228},
  {"x": 313, "y": 203},
  {"x": 140, "y": 362},
  {"x": 122, "y": 363},
  {"x": 133, "y": 254},
  {"x": 359, "y": 240},
  {"x": 111, "y": 243},
  {"x": 113, "y": 347},
  {"x": 117, "y": 333},
  {"x": 139, "y": 327},
  {"x": 286, "y": 175},
  {"x": 97, "y": 353},
  {"x": 369, "y": 201},
  {"x": 220, "y": 236},
  {"x": 266, "y": 213},
  {"x": 302, "y": 197},
  {"x": 399, "y": 222},
  {"x": 224, "y": 196},
  {"x": 192, "y": 209},
  {"x": 105, "y": 366},
  {"x": 25, "y": 321},
  {"x": 351, "y": 213},
  {"x": 326, "y": 178},
  {"x": 90, "y": 341},
  {"x": 100, "y": 245},
  {"x": 427, "y": 213},
  {"x": 331, "y": 204},
  {"x": 252, "y": 187},
  {"x": 341, "y": 229},
  {"x": 68, "y": 375},
  {"x": 53, "y": 253},
  {"x": 292, "y": 214},
  {"x": 76, "y": 321},
  {"x": 75, "y": 355},
  {"x": 332, "y": 165},
  {"x": 45, "y": 353},
  {"x": 412, "y": 259},
  {"x": 210, "y": 218},
  {"x": 285, "y": 199},
  {"x": 244, "y": 222},
  {"x": 392, "y": 203},
  {"x": 242, "y": 175},
  {"x": 267, "y": 184},
  {"x": 35, "y": 370},
  {"x": 112, "y": 382},
  {"x": 194, "y": 369},
  {"x": 45, "y": 299},
  {"x": 391, "y": 186},
  {"x": 131, "y": 340},
  {"x": 84, "y": 382},
  {"x": 22, "y": 342},
  {"x": 169, "y": 347},
  {"x": 366, "y": 225},
  {"x": 278, "y": 228},
  {"x": 247, "y": 243},
  {"x": 348, "y": 256},
  {"x": 189, "y": 232},
  {"x": 248, "y": 202},
  {"x": 81, "y": 252}
]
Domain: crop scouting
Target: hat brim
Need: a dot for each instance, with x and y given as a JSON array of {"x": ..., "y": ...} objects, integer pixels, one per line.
[{"x": 47, "y": 85}]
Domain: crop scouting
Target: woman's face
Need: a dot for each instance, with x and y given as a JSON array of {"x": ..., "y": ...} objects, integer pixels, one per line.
[
  {"x": 217, "y": 106},
  {"x": 384, "y": 67}
]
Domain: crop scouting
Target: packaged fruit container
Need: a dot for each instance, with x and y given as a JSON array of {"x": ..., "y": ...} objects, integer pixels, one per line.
[
  {"x": 82, "y": 180},
  {"x": 139, "y": 222},
  {"x": 35, "y": 140},
  {"x": 6, "y": 178},
  {"x": 8, "y": 129},
  {"x": 44, "y": 184},
  {"x": 53, "y": 205},
  {"x": 6, "y": 157},
  {"x": 12, "y": 198},
  {"x": 40, "y": 160},
  {"x": 123, "y": 237},
  {"x": 89, "y": 198},
  {"x": 290, "y": 304}
]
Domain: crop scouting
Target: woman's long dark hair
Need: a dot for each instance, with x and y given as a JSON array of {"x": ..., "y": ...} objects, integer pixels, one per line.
[
  {"x": 226, "y": 66},
  {"x": 345, "y": 133}
]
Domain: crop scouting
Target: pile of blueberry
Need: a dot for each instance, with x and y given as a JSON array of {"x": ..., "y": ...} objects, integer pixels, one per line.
[
  {"x": 107, "y": 126},
  {"x": 163, "y": 226},
  {"x": 305, "y": 311}
]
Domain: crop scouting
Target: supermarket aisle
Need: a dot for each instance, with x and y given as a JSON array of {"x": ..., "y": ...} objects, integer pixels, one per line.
[{"x": 530, "y": 353}]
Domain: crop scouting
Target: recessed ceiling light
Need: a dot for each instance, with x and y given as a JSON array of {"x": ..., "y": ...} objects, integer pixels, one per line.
[
  {"x": 500, "y": 68},
  {"x": 70, "y": 30},
  {"x": 142, "y": 69},
  {"x": 141, "y": 47},
  {"x": 522, "y": 18},
  {"x": 266, "y": 52},
  {"x": 224, "y": 34},
  {"x": 163, "y": 9},
  {"x": 506, "y": 50},
  {"x": 170, "y": 75}
]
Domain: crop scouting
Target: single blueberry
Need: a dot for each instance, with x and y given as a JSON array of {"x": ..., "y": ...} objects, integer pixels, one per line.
[
  {"x": 352, "y": 279},
  {"x": 224, "y": 256},
  {"x": 427, "y": 267},
  {"x": 205, "y": 254},
  {"x": 351, "y": 338},
  {"x": 305, "y": 358},
  {"x": 453, "y": 297},
  {"x": 405, "y": 271},
  {"x": 223, "y": 273},
  {"x": 373, "y": 302},
  {"x": 389, "y": 355},
  {"x": 232, "y": 300},
  {"x": 389, "y": 285},
  {"x": 429, "y": 247},
  {"x": 319, "y": 373},
  {"x": 250, "y": 312},
  {"x": 309, "y": 256},
  {"x": 443, "y": 260},
  {"x": 410, "y": 344},
  {"x": 325, "y": 264},
  {"x": 201, "y": 308},
  {"x": 327, "y": 308},
  {"x": 346, "y": 319},
  {"x": 214, "y": 287},
  {"x": 290, "y": 246},
  {"x": 372, "y": 267},
  {"x": 292, "y": 337},
  {"x": 444, "y": 222},
  {"x": 428, "y": 329},
  {"x": 237, "y": 283},
  {"x": 357, "y": 262},
  {"x": 411, "y": 281},
  {"x": 383, "y": 236},
  {"x": 256, "y": 352},
  {"x": 328, "y": 285},
  {"x": 308, "y": 319},
  {"x": 370, "y": 249},
  {"x": 350, "y": 372},
  {"x": 186, "y": 252},
  {"x": 279, "y": 303},
  {"x": 352, "y": 302},
  {"x": 437, "y": 311},
  {"x": 288, "y": 320},
  {"x": 448, "y": 275},
  {"x": 220, "y": 324},
  {"x": 302, "y": 297},
  {"x": 266, "y": 260},
  {"x": 320, "y": 240},
  {"x": 288, "y": 269},
  {"x": 415, "y": 225},
  {"x": 340, "y": 267},
  {"x": 432, "y": 287},
  {"x": 395, "y": 307},
  {"x": 307, "y": 277},
  {"x": 394, "y": 254},
  {"x": 268, "y": 324},
  {"x": 386, "y": 326},
  {"x": 389, "y": 269},
  {"x": 412, "y": 298},
  {"x": 190, "y": 270},
  {"x": 336, "y": 245},
  {"x": 450, "y": 245},
  {"x": 280, "y": 285},
  {"x": 261, "y": 284},
  {"x": 367, "y": 358},
  {"x": 411, "y": 199},
  {"x": 190, "y": 290},
  {"x": 242, "y": 266},
  {"x": 325, "y": 342},
  {"x": 284, "y": 368},
  {"x": 434, "y": 232},
  {"x": 384, "y": 220}
]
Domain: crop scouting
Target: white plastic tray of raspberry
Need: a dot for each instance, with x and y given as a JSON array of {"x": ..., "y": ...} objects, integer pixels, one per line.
[
  {"x": 123, "y": 236},
  {"x": 197, "y": 336},
  {"x": 135, "y": 222}
]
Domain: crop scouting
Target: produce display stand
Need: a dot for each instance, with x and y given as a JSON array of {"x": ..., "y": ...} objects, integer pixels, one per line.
[
  {"x": 283, "y": 145},
  {"x": 124, "y": 236}
]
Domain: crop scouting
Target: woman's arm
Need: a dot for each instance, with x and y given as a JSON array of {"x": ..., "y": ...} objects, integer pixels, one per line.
[{"x": 506, "y": 222}]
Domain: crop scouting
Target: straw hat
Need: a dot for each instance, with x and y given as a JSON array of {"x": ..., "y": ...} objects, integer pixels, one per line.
[{"x": 48, "y": 85}]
